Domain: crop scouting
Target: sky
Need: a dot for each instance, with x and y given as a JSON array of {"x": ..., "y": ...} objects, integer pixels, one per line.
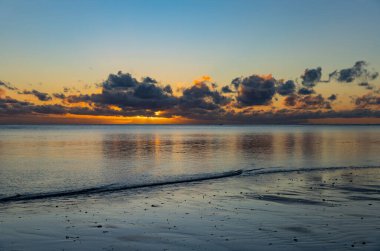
[{"x": 90, "y": 61}]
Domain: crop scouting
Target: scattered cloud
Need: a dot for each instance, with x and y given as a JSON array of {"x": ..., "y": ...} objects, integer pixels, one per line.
[
  {"x": 255, "y": 90},
  {"x": 127, "y": 93},
  {"x": 287, "y": 88},
  {"x": 359, "y": 71},
  {"x": 59, "y": 95},
  {"x": 311, "y": 77},
  {"x": 367, "y": 101},
  {"x": 305, "y": 91},
  {"x": 8, "y": 86},
  {"x": 227, "y": 89},
  {"x": 42, "y": 96},
  {"x": 332, "y": 97},
  {"x": 309, "y": 102},
  {"x": 252, "y": 99}
]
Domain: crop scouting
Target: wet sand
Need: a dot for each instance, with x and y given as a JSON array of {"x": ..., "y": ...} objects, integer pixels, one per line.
[{"x": 307, "y": 210}]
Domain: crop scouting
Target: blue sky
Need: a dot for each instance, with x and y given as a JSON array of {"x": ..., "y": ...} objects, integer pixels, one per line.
[{"x": 58, "y": 42}]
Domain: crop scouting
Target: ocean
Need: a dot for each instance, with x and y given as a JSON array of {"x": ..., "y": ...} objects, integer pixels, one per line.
[
  {"x": 38, "y": 161},
  {"x": 189, "y": 187}
]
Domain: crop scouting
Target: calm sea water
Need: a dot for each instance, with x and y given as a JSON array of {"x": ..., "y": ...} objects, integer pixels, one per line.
[{"x": 48, "y": 159}]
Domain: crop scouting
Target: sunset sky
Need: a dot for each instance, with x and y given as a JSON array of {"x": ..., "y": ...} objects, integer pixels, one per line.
[{"x": 189, "y": 61}]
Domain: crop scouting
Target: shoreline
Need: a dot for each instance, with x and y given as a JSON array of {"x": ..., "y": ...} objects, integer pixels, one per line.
[
  {"x": 290, "y": 211},
  {"x": 201, "y": 177}
]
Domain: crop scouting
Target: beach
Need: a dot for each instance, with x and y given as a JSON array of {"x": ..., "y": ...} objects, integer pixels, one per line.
[{"x": 334, "y": 209}]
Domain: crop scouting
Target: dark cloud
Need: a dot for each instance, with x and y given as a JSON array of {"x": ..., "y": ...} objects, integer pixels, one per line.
[
  {"x": 363, "y": 84},
  {"x": 309, "y": 102},
  {"x": 236, "y": 82},
  {"x": 291, "y": 100},
  {"x": 168, "y": 89},
  {"x": 287, "y": 88},
  {"x": 81, "y": 98},
  {"x": 227, "y": 89},
  {"x": 50, "y": 109},
  {"x": 311, "y": 77},
  {"x": 305, "y": 91},
  {"x": 146, "y": 80},
  {"x": 201, "y": 102},
  {"x": 255, "y": 90},
  {"x": 42, "y": 96},
  {"x": 59, "y": 95},
  {"x": 8, "y": 86},
  {"x": 332, "y": 97},
  {"x": 357, "y": 72},
  {"x": 367, "y": 101},
  {"x": 123, "y": 95},
  {"x": 123, "y": 81},
  {"x": 366, "y": 85},
  {"x": 201, "y": 96},
  {"x": 13, "y": 107},
  {"x": 10, "y": 106},
  {"x": 127, "y": 93},
  {"x": 289, "y": 116},
  {"x": 314, "y": 102}
]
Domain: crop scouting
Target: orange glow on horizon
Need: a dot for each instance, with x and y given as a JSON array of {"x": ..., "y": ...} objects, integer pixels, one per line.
[
  {"x": 91, "y": 119},
  {"x": 129, "y": 120}
]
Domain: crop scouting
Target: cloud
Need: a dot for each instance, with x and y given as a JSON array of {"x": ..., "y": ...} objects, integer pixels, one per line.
[
  {"x": 50, "y": 109},
  {"x": 42, "y": 96},
  {"x": 59, "y": 95},
  {"x": 120, "y": 81},
  {"x": 366, "y": 85},
  {"x": 291, "y": 100},
  {"x": 13, "y": 107},
  {"x": 127, "y": 93},
  {"x": 121, "y": 94},
  {"x": 227, "y": 89},
  {"x": 201, "y": 101},
  {"x": 305, "y": 91},
  {"x": 8, "y": 86},
  {"x": 314, "y": 102},
  {"x": 309, "y": 102},
  {"x": 332, "y": 97},
  {"x": 287, "y": 88},
  {"x": 201, "y": 96},
  {"x": 10, "y": 106},
  {"x": 357, "y": 72},
  {"x": 255, "y": 90},
  {"x": 147, "y": 96},
  {"x": 311, "y": 77},
  {"x": 367, "y": 101}
]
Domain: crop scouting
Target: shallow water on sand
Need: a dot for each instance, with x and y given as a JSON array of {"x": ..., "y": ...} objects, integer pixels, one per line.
[
  {"x": 333, "y": 209},
  {"x": 51, "y": 159}
]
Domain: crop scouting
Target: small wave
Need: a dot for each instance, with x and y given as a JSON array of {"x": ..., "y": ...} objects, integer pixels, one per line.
[
  {"x": 112, "y": 188},
  {"x": 261, "y": 171}
]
